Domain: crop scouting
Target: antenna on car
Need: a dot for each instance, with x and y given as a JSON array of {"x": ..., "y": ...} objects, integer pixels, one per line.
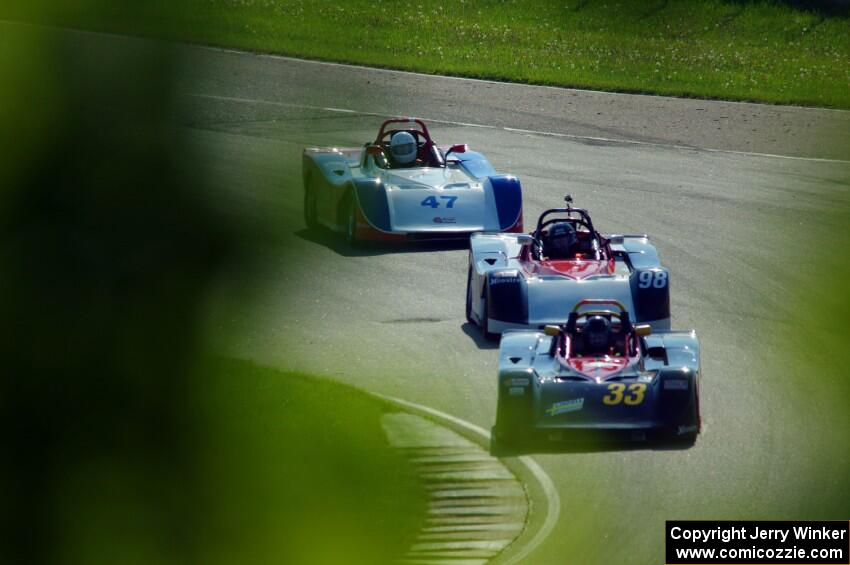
[{"x": 569, "y": 200}]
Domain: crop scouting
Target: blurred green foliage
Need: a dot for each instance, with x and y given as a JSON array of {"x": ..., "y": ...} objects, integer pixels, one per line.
[
  {"x": 106, "y": 250},
  {"x": 120, "y": 445},
  {"x": 759, "y": 50},
  {"x": 297, "y": 470}
]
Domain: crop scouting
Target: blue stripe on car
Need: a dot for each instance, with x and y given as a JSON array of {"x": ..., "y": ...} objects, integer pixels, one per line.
[
  {"x": 372, "y": 198},
  {"x": 508, "y": 193}
]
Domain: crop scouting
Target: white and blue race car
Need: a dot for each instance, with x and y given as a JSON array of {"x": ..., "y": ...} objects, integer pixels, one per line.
[
  {"x": 404, "y": 186},
  {"x": 518, "y": 281},
  {"x": 598, "y": 373}
]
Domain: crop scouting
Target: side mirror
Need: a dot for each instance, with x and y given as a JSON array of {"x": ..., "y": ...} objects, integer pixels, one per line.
[
  {"x": 643, "y": 330},
  {"x": 552, "y": 330},
  {"x": 459, "y": 148}
]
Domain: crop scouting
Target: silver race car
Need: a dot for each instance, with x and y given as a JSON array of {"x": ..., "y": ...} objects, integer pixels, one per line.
[
  {"x": 598, "y": 371},
  {"x": 528, "y": 281},
  {"x": 404, "y": 186}
]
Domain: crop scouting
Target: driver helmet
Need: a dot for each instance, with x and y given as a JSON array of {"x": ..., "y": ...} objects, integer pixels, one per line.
[
  {"x": 403, "y": 148},
  {"x": 562, "y": 240},
  {"x": 596, "y": 333}
]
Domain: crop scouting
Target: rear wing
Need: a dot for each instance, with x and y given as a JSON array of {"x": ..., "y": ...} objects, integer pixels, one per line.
[
  {"x": 333, "y": 163},
  {"x": 676, "y": 348},
  {"x": 638, "y": 247},
  {"x": 494, "y": 250}
]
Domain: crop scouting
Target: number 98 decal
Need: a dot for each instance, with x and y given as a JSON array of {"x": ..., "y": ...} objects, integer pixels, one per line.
[{"x": 654, "y": 279}]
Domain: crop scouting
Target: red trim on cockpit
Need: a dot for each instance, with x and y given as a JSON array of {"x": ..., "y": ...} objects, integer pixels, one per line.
[
  {"x": 573, "y": 268},
  {"x": 598, "y": 368}
]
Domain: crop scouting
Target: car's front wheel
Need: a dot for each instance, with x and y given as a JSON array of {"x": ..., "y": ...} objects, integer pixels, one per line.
[
  {"x": 513, "y": 418},
  {"x": 351, "y": 222},
  {"x": 485, "y": 320}
]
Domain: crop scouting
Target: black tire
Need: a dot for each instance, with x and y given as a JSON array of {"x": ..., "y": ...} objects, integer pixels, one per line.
[
  {"x": 310, "y": 215},
  {"x": 350, "y": 221},
  {"x": 485, "y": 315},
  {"x": 512, "y": 420},
  {"x": 697, "y": 412},
  {"x": 693, "y": 420},
  {"x": 469, "y": 296},
  {"x": 685, "y": 440}
]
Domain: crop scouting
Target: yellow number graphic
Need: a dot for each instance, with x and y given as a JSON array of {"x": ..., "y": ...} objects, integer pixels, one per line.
[
  {"x": 616, "y": 396},
  {"x": 636, "y": 396}
]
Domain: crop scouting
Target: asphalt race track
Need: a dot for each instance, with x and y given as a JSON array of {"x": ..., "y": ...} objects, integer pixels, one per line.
[{"x": 737, "y": 197}]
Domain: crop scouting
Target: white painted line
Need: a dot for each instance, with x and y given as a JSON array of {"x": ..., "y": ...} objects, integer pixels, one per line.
[
  {"x": 487, "y": 545},
  {"x": 475, "y": 528},
  {"x": 523, "y": 131},
  {"x": 453, "y": 558},
  {"x": 452, "y": 520},
  {"x": 471, "y": 510},
  {"x": 492, "y": 492},
  {"x": 453, "y": 458},
  {"x": 553, "y": 501},
  {"x": 478, "y": 475}
]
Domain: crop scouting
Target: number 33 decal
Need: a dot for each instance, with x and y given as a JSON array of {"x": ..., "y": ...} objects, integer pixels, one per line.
[
  {"x": 654, "y": 279},
  {"x": 633, "y": 398}
]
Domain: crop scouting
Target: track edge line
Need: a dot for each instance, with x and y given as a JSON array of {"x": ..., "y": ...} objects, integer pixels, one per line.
[{"x": 553, "y": 501}]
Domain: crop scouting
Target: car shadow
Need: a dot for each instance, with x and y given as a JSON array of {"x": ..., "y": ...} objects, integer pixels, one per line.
[
  {"x": 335, "y": 243},
  {"x": 537, "y": 444},
  {"x": 477, "y": 336}
]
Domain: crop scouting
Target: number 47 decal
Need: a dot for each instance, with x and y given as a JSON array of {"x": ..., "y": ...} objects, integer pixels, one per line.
[{"x": 432, "y": 201}]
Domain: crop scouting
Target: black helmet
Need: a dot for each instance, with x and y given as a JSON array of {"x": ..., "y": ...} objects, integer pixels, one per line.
[
  {"x": 596, "y": 333},
  {"x": 562, "y": 240}
]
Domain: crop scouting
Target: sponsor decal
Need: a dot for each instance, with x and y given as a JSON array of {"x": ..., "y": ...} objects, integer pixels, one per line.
[
  {"x": 503, "y": 280},
  {"x": 686, "y": 429},
  {"x": 516, "y": 390},
  {"x": 676, "y": 384},
  {"x": 565, "y": 406},
  {"x": 444, "y": 220},
  {"x": 645, "y": 378},
  {"x": 519, "y": 382}
]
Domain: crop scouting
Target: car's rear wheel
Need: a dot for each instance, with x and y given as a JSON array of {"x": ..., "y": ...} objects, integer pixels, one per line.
[
  {"x": 310, "y": 215},
  {"x": 310, "y": 208},
  {"x": 469, "y": 296},
  {"x": 693, "y": 423},
  {"x": 698, "y": 413},
  {"x": 351, "y": 221},
  {"x": 485, "y": 320}
]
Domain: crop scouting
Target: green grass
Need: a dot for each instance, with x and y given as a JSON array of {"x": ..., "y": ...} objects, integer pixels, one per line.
[
  {"x": 738, "y": 50},
  {"x": 298, "y": 470}
]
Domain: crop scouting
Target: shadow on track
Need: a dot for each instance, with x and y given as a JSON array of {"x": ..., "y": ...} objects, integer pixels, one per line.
[
  {"x": 474, "y": 332},
  {"x": 370, "y": 249},
  {"x": 538, "y": 443}
]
